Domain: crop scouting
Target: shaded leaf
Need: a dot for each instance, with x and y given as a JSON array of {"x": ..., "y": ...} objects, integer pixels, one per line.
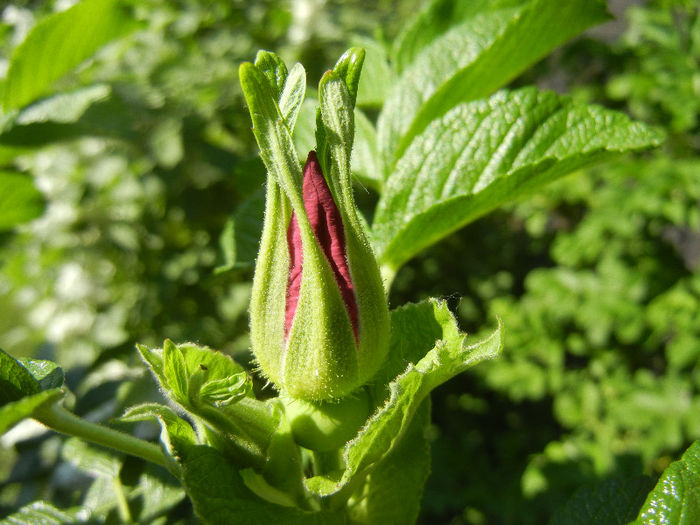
[
  {"x": 220, "y": 496},
  {"x": 612, "y": 502}
]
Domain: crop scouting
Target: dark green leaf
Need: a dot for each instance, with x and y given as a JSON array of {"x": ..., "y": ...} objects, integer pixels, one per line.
[
  {"x": 484, "y": 153},
  {"x": 58, "y": 44},
  {"x": 220, "y": 496},
  {"x": 15, "y": 380},
  {"x": 676, "y": 498},
  {"x": 47, "y": 373},
  {"x": 612, "y": 502}
]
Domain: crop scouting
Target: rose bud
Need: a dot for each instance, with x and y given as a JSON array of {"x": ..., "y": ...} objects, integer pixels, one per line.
[{"x": 319, "y": 316}]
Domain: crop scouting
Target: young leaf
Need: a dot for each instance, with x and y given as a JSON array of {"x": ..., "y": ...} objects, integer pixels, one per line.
[
  {"x": 59, "y": 43},
  {"x": 676, "y": 498},
  {"x": 219, "y": 495},
  {"x": 481, "y": 154},
  {"x": 20, "y": 201},
  {"x": 176, "y": 433},
  {"x": 292, "y": 96},
  {"x": 274, "y": 69},
  {"x": 383, "y": 431},
  {"x": 393, "y": 490},
  {"x": 475, "y": 58},
  {"x": 612, "y": 502}
]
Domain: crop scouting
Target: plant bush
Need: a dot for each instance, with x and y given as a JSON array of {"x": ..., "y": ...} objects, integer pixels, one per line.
[{"x": 142, "y": 165}]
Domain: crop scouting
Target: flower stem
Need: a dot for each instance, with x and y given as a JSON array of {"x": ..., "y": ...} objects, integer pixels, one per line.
[{"x": 61, "y": 420}]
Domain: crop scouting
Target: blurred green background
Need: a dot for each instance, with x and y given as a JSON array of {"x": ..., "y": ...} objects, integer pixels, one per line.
[{"x": 597, "y": 278}]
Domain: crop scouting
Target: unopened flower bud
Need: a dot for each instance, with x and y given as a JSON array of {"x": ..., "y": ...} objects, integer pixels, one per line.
[{"x": 319, "y": 317}]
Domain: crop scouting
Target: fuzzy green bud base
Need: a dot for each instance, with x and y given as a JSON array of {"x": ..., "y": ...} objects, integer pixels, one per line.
[{"x": 325, "y": 426}]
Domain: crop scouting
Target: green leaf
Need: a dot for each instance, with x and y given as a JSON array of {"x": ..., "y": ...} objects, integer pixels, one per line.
[
  {"x": 432, "y": 21},
  {"x": 176, "y": 364},
  {"x": 484, "y": 153},
  {"x": 20, "y": 201},
  {"x": 219, "y": 495},
  {"x": 377, "y": 77},
  {"x": 292, "y": 96},
  {"x": 176, "y": 433},
  {"x": 47, "y": 373},
  {"x": 95, "y": 460},
  {"x": 474, "y": 58},
  {"x": 63, "y": 107},
  {"x": 393, "y": 490},
  {"x": 676, "y": 498},
  {"x": 41, "y": 513},
  {"x": 241, "y": 235},
  {"x": 59, "y": 43},
  {"x": 612, "y": 502},
  {"x": 274, "y": 70},
  {"x": 448, "y": 357},
  {"x": 15, "y": 380},
  {"x": 13, "y": 412},
  {"x": 366, "y": 159},
  {"x": 25, "y": 386}
]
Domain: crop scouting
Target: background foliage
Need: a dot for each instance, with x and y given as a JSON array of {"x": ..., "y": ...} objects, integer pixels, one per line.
[{"x": 597, "y": 279}]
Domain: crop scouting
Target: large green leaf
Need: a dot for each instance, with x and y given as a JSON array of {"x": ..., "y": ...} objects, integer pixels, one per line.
[
  {"x": 448, "y": 357},
  {"x": 612, "y": 502},
  {"x": 482, "y": 154},
  {"x": 20, "y": 201},
  {"x": 474, "y": 58},
  {"x": 219, "y": 495},
  {"x": 676, "y": 498},
  {"x": 432, "y": 21},
  {"x": 58, "y": 44}
]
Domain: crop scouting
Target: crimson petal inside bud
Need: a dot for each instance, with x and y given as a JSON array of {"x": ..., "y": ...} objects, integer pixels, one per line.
[{"x": 327, "y": 225}]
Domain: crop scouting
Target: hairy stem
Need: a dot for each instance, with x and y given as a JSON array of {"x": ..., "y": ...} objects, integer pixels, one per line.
[{"x": 61, "y": 420}]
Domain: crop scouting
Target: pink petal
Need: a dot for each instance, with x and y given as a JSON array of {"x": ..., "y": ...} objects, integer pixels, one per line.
[{"x": 327, "y": 225}]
